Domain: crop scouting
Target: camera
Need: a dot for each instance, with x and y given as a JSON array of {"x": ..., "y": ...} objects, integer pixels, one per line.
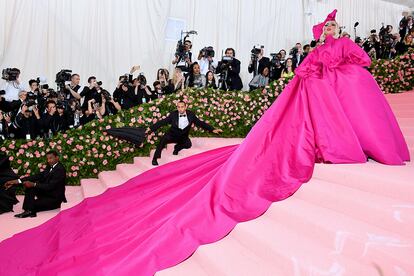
[
  {"x": 99, "y": 83},
  {"x": 30, "y": 103},
  {"x": 207, "y": 52},
  {"x": 124, "y": 79},
  {"x": 274, "y": 65},
  {"x": 10, "y": 74},
  {"x": 2, "y": 92},
  {"x": 256, "y": 51},
  {"x": 63, "y": 76}
]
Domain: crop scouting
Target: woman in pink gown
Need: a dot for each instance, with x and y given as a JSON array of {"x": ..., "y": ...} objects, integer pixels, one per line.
[{"x": 332, "y": 111}]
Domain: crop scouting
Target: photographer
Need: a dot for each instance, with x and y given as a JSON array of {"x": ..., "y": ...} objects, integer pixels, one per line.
[
  {"x": 195, "y": 78},
  {"x": 111, "y": 106},
  {"x": 178, "y": 80},
  {"x": 229, "y": 69},
  {"x": 5, "y": 121},
  {"x": 386, "y": 40},
  {"x": 183, "y": 56},
  {"x": 74, "y": 113},
  {"x": 257, "y": 61},
  {"x": 90, "y": 92},
  {"x": 372, "y": 45},
  {"x": 73, "y": 90},
  {"x": 27, "y": 122},
  {"x": 142, "y": 92},
  {"x": 124, "y": 93},
  {"x": 166, "y": 83},
  {"x": 275, "y": 68},
  {"x": 13, "y": 85},
  {"x": 406, "y": 24},
  {"x": 94, "y": 111},
  {"x": 297, "y": 56},
  {"x": 50, "y": 123},
  {"x": 261, "y": 80},
  {"x": 206, "y": 60},
  {"x": 397, "y": 47}
]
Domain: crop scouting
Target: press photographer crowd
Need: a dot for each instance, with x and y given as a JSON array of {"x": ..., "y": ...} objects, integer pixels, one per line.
[{"x": 37, "y": 110}]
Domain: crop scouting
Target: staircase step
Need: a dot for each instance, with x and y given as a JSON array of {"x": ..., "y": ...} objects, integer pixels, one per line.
[
  {"x": 390, "y": 181},
  {"x": 92, "y": 187},
  {"x": 343, "y": 234},
  {"x": 384, "y": 212},
  {"x": 111, "y": 178},
  {"x": 74, "y": 195}
]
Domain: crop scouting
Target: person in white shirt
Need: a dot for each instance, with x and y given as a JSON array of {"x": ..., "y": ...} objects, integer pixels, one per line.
[
  {"x": 12, "y": 88},
  {"x": 206, "y": 60}
]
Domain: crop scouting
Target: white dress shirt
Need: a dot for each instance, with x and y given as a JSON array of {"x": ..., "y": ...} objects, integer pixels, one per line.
[
  {"x": 12, "y": 91},
  {"x": 182, "y": 121}
]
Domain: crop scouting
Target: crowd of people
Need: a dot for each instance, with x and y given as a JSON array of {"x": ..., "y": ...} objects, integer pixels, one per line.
[{"x": 39, "y": 111}]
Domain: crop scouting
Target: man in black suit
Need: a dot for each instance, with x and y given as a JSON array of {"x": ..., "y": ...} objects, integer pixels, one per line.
[
  {"x": 256, "y": 66},
  {"x": 45, "y": 190},
  {"x": 181, "y": 121},
  {"x": 232, "y": 68}
]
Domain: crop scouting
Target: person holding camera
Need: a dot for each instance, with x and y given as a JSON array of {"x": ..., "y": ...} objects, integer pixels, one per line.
[
  {"x": 43, "y": 191},
  {"x": 297, "y": 56},
  {"x": 142, "y": 92},
  {"x": 258, "y": 61},
  {"x": 229, "y": 70},
  {"x": 406, "y": 24},
  {"x": 124, "y": 93},
  {"x": 73, "y": 90},
  {"x": 13, "y": 85},
  {"x": 183, "y": 57},
  {"x": 206, "y": 60},
  {"x": 111, "y": 106},
  {"x": 166, "y": 84},
  {"x": 195, "y": 79},
  {"x": 178, "y": 80},
  {"x": 74, "y": 113},
  {"x": 5, "y": 122},
  {"x": 90, "y": 92},
  {"x": 50, "y": 121},
  {"x": 27, "y": 123}
]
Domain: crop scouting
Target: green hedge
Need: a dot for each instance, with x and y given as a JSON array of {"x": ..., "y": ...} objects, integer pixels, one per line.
[{"x": 86, "y": 151}]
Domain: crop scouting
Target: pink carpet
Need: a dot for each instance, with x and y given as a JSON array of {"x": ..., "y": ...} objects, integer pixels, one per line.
[{"x": 349, "y": 220}]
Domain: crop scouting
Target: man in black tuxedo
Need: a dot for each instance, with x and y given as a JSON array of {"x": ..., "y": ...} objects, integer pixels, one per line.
[
  {"x": 232, "y": 67},
  {"x": 257, "y": 66},
  {"x": 45, "y": 190},
  {"x": 181, "y": 121}
]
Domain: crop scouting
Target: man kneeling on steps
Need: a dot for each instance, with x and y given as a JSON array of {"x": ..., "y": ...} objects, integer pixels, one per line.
[
  {"x": 181, "y": 121},
  {"x": 45, "y": 190}
]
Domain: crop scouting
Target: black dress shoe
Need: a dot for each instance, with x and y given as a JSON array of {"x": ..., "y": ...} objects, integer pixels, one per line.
[
  {"x": 26, "y": 214},
  {"x": 154, "y": 162},
  {"x": 175, "y": 152}
]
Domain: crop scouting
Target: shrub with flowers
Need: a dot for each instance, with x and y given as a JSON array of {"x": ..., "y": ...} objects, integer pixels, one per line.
[
  {"x": 86, "y": 151},
  {"x": 395, "y": 75}
]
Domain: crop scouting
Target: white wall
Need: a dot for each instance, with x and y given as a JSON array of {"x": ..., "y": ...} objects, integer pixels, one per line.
[{"x": 106, "y": 37}]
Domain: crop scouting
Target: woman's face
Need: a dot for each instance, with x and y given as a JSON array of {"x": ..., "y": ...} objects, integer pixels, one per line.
[
  {"x": 330, "y": 28},
  {"x": 265, "y": 71},
  {"x": 196, "y": 69},
  {"x": 289, "y": 63},
  {"x": 210, "y": 76}
]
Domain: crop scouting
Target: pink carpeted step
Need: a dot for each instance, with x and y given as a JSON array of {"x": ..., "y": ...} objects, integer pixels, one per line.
[
  {"x": 111, "y": 178},
  {"x": 92, "y": 187},
  {"x": 344, "y": 234},
  {"x": 383, "y": 212},
  {"x": 390, "y": 181},
  {"x": 74, "y": 195}
]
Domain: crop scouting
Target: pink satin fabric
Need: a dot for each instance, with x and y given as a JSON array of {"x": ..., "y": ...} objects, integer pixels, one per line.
[{"x": 332, "y": 111}]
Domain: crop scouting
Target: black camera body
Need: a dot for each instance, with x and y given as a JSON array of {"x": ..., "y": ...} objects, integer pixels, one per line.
[
  {"x": 207, "y": 52},
  {"x": 180, "y": 50},
  {"x": 63, "y": 76},
  {"x": 142, "y": 79},
  {"x": 10, "y": 74},
  {"x": 256, "y": 51}
]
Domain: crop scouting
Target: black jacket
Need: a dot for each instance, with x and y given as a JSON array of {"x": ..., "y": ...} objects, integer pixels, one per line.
[
  {"x": 51, "y": 183},
  {"x": 233, "y": 79},
  {"x": 172, "y": 120},
  {"x": 263, "y": 62}
]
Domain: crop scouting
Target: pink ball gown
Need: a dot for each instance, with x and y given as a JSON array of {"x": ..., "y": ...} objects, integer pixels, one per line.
[{"x": 332, "y": 111}]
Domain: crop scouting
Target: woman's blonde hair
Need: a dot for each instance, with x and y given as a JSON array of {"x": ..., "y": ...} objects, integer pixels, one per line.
[{"x": 337, "y": 30}]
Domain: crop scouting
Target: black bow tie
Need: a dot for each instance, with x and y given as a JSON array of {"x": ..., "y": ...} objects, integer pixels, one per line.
[{"x": 183, "y": 115}]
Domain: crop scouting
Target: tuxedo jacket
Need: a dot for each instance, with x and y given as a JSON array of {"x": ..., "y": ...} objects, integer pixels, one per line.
[
  {"x": 174, "y": 130},
  {"x": 234, "y": 80},
  {"x": 263, "y": 62},
  {"x": 50, "y": 183}
]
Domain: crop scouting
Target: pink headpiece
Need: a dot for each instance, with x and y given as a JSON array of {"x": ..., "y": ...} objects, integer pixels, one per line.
[{"x": 318, "y": 29}]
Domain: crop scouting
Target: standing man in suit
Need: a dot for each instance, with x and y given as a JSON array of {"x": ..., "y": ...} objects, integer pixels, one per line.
[
  {"x": 45, "y": 190},
  {"x": 229, "y": 67},
  {"x": 181, "y": 121}
]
